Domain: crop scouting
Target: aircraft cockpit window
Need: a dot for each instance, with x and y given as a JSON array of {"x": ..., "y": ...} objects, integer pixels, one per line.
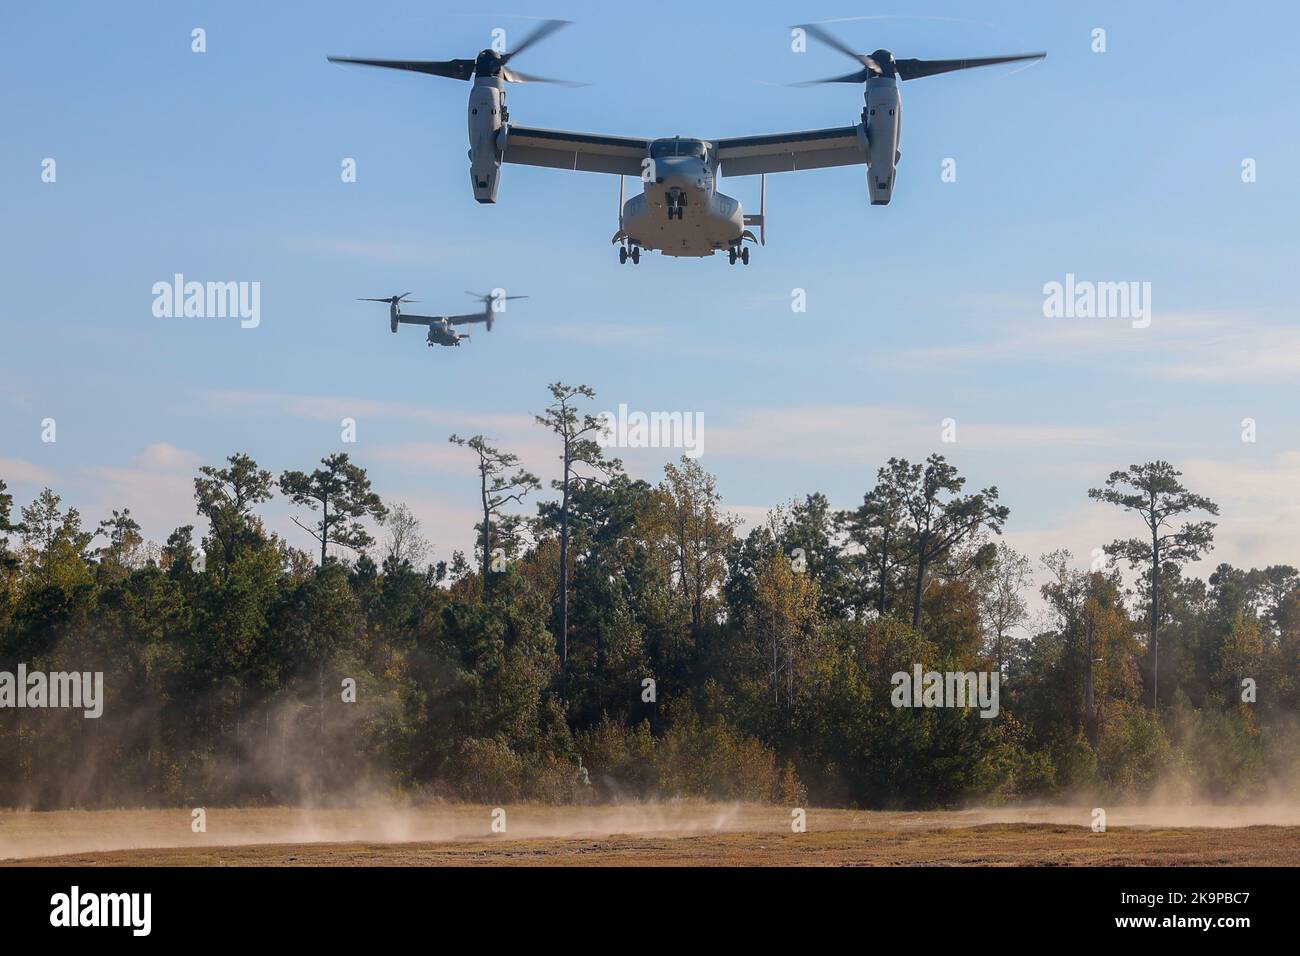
[{"x": 667, "y": 148}]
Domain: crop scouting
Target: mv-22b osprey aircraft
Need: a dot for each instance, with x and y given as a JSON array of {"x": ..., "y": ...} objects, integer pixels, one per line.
[
  {"x": 442, "y": 328},
  {"x": 680, "y": 211}
]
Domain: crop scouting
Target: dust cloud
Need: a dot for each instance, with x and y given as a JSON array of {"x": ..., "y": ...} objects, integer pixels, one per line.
[{"x": 25, "y": 834}]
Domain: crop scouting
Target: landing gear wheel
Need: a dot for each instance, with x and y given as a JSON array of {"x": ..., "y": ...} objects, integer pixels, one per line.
[
  {"x": 622, "y": 255},
  {"x": 636, "y": 255},
  {"x": 731, "y": 256},
  {"x": 744, "y": 255}
]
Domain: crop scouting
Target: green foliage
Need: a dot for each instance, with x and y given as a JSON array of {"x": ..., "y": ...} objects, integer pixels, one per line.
[
  {"x": 340, "y": 491},
  {"x": 699, "y": 664},
  {"x": 693, "y": 757},
  {"x": 501, "y": 482},
  {"x": 1154, "y": 492},
  {"x": 1135, "y": 755}
]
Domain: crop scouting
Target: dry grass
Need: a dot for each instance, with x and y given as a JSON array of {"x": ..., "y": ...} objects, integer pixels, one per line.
[{"x": 696, "y": 834}]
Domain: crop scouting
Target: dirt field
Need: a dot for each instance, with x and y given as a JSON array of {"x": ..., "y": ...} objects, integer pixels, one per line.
[{"x": 658, "y": 835}]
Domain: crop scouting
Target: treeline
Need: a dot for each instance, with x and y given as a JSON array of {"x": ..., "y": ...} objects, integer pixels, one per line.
[{"x": 616, "y": 639}]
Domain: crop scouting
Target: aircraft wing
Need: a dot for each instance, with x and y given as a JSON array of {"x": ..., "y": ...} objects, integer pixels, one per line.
[
  {"x": 586, "y": 152},
  {"x": 453, "y": 319},
  {"x": 788, "y": 152}
]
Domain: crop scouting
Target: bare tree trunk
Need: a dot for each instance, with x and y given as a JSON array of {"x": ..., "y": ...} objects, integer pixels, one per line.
[
  {"x": 920, "y": 589},
  {"x": 1155, "y": 619},
  {"x": 239, "y": 699},
  {"x": 697, "y": 596},
  {"x": 881, "y": 603},
  {"x": 1090, "y": 712},
  {"x": 487, "y": 530},
  {"x": 776, "y": 678},
  {"x": 320, "y": 726},
  {"x": 564, "y": 569}
]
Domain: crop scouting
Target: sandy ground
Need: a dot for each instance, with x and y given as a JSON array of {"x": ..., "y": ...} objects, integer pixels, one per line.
[{"x": 685, "y": 833}]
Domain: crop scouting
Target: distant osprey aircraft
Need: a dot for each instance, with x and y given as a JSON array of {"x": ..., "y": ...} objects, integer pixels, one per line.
[
  {"x": 680, "y": 212},
  {"x": 442, "y": 328}
]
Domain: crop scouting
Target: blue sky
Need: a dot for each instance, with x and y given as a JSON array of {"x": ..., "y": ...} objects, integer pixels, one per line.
[{"x": 1115, "y": 166}]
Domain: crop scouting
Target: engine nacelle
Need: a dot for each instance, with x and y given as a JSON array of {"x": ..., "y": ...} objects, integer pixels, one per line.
[
  {"x": 883, "y": 117},
  {"x": 392, "y": 325},
  {"x": 486, "y": 114}
]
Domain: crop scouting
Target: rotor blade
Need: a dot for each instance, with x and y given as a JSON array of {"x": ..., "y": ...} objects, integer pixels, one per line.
[
  {"x": 389, "y": 299},
  {"x": 539, "y": 33},
  {"x": 860, "y": 76},
  {"x": 913, "y": 69},
  {"x": 493, "y": 298},
  {"x": 489, "y": 297},
  {"x": 835, "y": 43},
  {"x": 514, "y": 76},
  {"x": 452, "y": 69}
]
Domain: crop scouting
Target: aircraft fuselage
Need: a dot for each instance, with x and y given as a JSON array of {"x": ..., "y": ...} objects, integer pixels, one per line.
[
  {"x": 441, "y": 333},
  {"x": 680, "y": 212}
]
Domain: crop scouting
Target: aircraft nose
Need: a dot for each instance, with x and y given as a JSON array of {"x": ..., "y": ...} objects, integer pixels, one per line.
[{"x": 681, "y": 171}]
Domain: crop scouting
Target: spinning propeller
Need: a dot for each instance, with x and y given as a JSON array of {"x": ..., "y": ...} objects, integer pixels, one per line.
[
  {"x": 488, "y": 301},
  {"x": 882, "y": 62},
  {"x": 397, "y": 300},
  {"x": 488, "y": 63}
]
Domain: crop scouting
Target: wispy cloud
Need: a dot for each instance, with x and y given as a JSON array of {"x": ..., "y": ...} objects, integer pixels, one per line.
[
  {"x": 535, "y": 452},
  {"x": 157, "y": 486},
  {"x": 858, "y": 433},
  {"x": 336, "y": 407},
  {"x": 1258, "y": 525},
  {"x": 162, "y": 456},
  {"x": 1251, "y": 352},
  {"x": 1197, "y": 347},
  {"x": 20, "y": 471}
]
